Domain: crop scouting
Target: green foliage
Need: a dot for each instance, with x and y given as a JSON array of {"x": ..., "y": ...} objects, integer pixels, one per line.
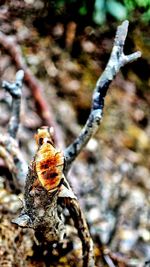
[
  {"x": 99, "y": 15},
  {"x": 117, "y": 9},
  {"x": 132, "y": 4},
  {"x": 112, "y": 7},
  {"x": 143, "y": 6}
]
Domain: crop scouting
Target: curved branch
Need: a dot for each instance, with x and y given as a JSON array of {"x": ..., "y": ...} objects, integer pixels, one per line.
[{"x": 117, "y": 60}]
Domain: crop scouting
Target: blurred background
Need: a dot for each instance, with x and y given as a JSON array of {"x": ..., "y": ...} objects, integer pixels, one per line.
[{"x": 66, "y": 46}]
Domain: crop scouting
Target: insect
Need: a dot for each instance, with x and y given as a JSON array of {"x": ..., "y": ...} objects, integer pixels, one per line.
[
  {"x": 49, "y": 160},
  {"x": 47, "y": 190},
  {"x": 49, "y": 165}
]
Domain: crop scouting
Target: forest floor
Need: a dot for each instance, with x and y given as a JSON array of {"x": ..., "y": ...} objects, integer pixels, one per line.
[{"x": 111, "y": 177}]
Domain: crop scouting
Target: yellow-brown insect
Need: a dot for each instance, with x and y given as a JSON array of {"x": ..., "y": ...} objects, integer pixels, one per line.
[{"x": 49, "y": 160}]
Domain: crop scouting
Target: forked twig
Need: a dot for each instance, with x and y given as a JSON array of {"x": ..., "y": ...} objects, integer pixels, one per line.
[
  {"x": 47, "y": 188},
  {"x": 116, "y": 61}
]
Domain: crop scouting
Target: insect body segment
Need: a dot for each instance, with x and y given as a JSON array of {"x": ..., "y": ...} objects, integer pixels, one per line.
[{"x": 49, "y": 161}]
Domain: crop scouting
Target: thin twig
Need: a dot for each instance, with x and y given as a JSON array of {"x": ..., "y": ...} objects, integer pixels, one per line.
[
  {"x": 15, "y": 91},
  {"x": 14, "y": 160},
  {"x": 109, "y": 261},
  {"x": 83, "y": 231},
  {"x": 9, "y": 143},
  {"x": 116, "y": 61}
]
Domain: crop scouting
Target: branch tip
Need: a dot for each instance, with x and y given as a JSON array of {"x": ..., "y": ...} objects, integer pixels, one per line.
[
  {"x": 117, "y": 60},
  {"x": 125, "y": 23},
  {"x": 132, "y": 57},
  {"x": 137, "y": 54},
  {"x": 121, "y": 33},
  {"x": 20, "y": 75}
]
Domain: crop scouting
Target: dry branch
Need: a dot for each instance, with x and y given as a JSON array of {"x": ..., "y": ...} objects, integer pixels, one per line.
[
  {"x": 116, "y": 61},
  {"x": 15, "y": 91},
  {"x": 9, "y": 148},
  {"x": 47, "y": 191}
]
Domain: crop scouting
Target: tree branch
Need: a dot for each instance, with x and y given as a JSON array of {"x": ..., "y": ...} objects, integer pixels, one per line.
[
  {"x": 10, "y": 151},
  {"x": 47, "y": 191},
  {"x": 117, "y": 60},
  {"x": 15, "y": 91}
]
